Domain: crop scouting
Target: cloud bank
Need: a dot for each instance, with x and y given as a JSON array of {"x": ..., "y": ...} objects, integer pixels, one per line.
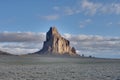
[
  {"x": 95, "y": 44},
  {"x": 21, "y": 42},
  {"x": 21, "y": 37},
  {"x": 86, "y": 7},
  {"x": 89, "y": 7},
  {"x": 102, "y": 8},
  {"x": 28, "y": 42}
]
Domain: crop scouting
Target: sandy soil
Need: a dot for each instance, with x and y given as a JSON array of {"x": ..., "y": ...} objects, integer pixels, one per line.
[{"x": 58, "y": 68}]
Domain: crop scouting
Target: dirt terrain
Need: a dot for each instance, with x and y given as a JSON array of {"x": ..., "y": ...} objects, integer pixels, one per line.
[{"x": 35, "y": 67}]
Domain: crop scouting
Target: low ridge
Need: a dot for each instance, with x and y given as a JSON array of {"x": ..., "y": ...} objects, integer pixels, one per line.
[{"x": 4, "y": 53}]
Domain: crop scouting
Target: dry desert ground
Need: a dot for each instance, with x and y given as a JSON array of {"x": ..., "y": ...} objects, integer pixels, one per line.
[{"x": 36, "y": 67}]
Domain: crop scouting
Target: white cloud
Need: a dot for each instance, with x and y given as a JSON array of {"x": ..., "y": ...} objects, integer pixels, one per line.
[
  {"x": 68, "y": 11},
  {"x": 51, "y": 17},
  {"x": 21, "y": 42},
  {"x": 85, "y": 23},
  {"x": 89, "y": 7},
  {"x": 92, "y": 8},
  {"x": 117, "y": 8},
  {"x": 21, "y": 37},
  {"x": 64, "y": 10},
  {"x": 113, "y": 8},
  {"x": 20, "y": 47}
]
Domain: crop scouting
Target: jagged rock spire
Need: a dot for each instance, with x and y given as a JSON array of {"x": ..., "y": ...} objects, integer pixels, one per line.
[
  {"x": 51, "y": 33},
  {"x": 56, "y": 44}
]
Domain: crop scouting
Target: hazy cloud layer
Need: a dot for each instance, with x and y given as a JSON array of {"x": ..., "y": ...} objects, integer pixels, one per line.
[
  {"x": 28, "y": 42},
  {"x": 21, "y": 42},
  {"x": 85, "y": 23},
  {"x": 50, "y": 17},
  {"x": 21, "y": 37},
  {"x": 88, "y": 7},
  {"x": 113, "y": 24},
  {"x": 21, "y": 47}
]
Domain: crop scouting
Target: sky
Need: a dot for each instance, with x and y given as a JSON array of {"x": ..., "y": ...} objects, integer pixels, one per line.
[{"x": 92, "y": 26}]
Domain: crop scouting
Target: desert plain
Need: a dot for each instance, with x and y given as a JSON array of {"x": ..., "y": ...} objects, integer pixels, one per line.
[{"x": 45, "y": 67}]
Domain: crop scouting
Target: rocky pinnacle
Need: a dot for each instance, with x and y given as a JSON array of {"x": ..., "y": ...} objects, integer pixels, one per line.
[{"x": 56, "y": 44}]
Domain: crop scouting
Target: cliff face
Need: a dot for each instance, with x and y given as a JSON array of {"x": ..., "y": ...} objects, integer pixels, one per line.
[{"x": 56, "y": 44}]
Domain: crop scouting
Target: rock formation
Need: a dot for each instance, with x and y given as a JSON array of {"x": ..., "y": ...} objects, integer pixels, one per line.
[{"x": 56, "y": 44}]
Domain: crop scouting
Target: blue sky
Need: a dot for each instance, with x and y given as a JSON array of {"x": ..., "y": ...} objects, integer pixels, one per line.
[{"x": 71, "y": 17}]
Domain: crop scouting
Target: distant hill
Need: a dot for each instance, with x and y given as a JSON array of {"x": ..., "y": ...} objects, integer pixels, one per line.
[{"x": 4, "y": 53}]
